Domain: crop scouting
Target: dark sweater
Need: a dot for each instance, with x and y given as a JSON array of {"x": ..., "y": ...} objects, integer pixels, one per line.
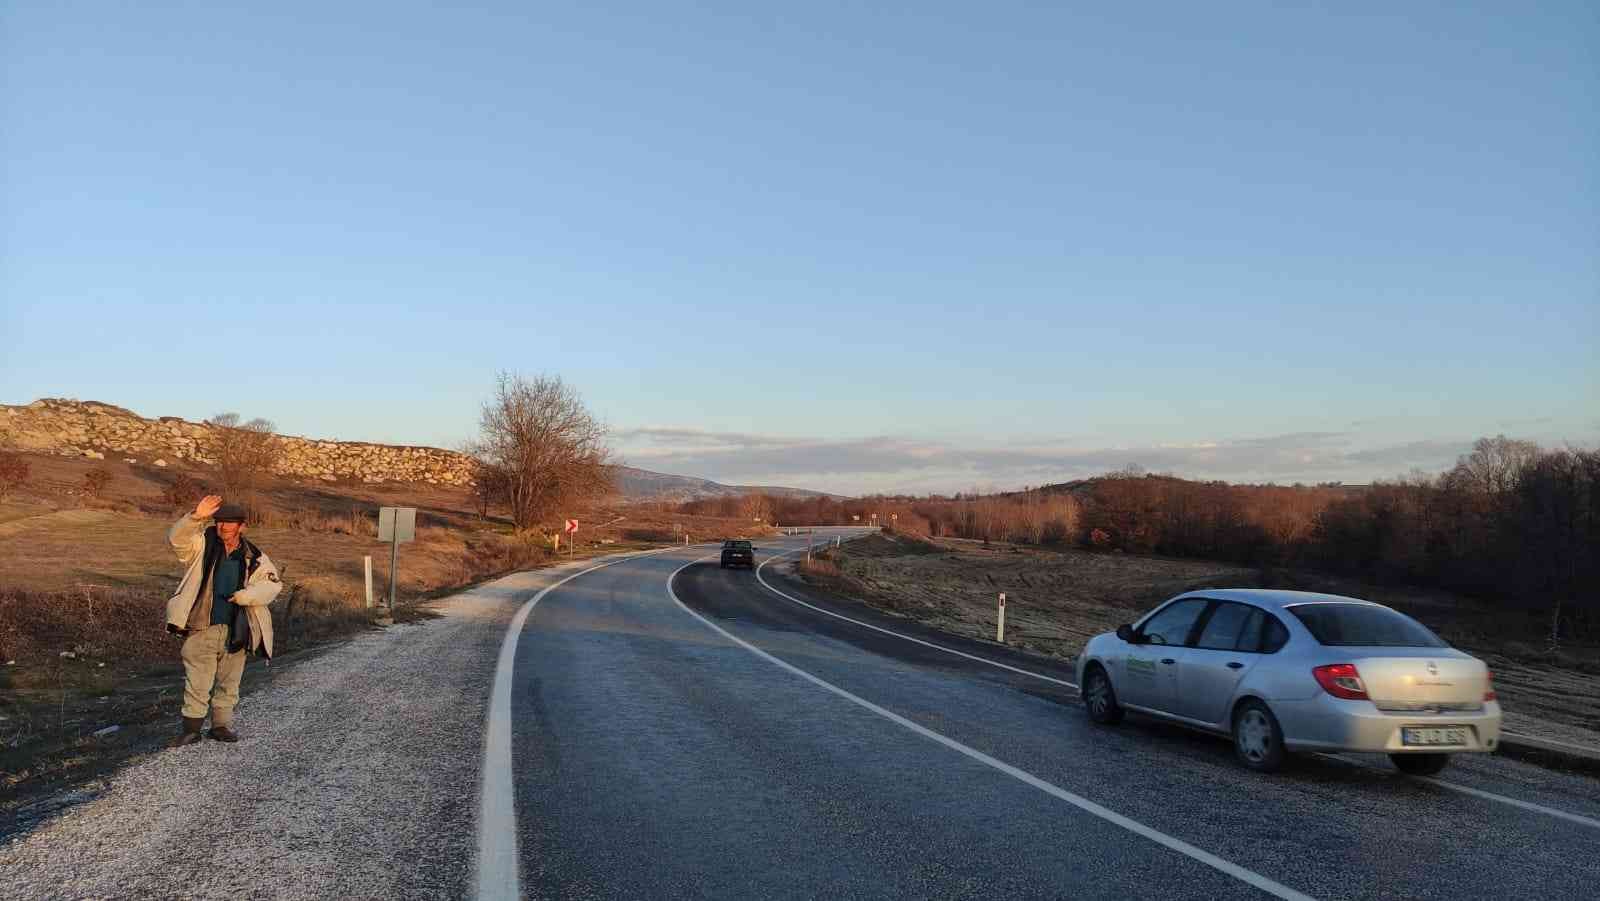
[{"x": 227, "y": 578}]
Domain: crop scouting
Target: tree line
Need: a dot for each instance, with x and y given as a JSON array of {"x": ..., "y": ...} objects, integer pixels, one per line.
[{"x": 1510, "y": 521}]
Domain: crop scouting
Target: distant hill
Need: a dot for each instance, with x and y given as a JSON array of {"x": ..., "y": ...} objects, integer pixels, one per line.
[{"x": 644, "y": 485}]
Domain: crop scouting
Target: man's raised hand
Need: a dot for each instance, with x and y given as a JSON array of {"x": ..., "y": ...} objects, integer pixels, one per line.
[{"x": 207, "y": 506}]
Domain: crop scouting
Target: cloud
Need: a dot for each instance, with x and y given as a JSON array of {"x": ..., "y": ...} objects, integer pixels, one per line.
[
  {"x": 1423, "y": 454},
  {"x": 894, "y": 464}
]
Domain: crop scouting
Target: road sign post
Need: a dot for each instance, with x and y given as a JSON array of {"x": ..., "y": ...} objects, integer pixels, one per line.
[
  {"x": 1000, "y": 621},
  {"x": 572, "y": 530},
  {"x": 396, "y": 524}
]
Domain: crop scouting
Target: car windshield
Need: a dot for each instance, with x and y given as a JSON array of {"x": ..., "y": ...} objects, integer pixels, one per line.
[
  {"x": 1362, "y": 625},
  {"x": 738, "y": 545}
]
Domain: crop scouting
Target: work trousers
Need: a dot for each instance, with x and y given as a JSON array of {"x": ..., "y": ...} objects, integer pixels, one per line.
[{"x": 207, "y": 664}]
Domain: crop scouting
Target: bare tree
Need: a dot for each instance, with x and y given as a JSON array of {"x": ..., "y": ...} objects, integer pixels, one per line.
[
  {"x": 547, "y": 447},
  {"x": 14, "y": 472},
  {"x": 756, "y": 505},
  {"x": 488, "y": 486},
  {"x": 1494, "y": 464},
  {"x": 245, "y": 454}
]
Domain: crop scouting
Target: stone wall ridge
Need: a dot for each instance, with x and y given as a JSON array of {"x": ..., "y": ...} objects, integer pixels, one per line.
[{"x": 91, "y": 428}]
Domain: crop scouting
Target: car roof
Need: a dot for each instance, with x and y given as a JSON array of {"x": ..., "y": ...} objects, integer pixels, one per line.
[{"x": 1274, "y": 598}]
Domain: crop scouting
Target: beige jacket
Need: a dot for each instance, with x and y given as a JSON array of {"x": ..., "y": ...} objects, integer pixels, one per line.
[{"x": 188, "y": 539}]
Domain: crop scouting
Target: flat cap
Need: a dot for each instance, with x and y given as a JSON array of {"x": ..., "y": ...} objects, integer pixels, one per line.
[{"x": 229, "y": 513}]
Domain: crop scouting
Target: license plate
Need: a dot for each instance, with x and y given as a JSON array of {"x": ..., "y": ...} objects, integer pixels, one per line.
[{"x": 1434, "y": 735}]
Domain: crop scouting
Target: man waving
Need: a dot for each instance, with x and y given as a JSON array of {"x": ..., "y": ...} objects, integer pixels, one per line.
[{"x": 221, "y": 610}]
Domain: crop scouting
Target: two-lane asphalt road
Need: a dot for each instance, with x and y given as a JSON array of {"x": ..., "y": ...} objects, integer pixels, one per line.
[
  {"x": 652, "y": 726},
  {"x": 683, "y": 730}
]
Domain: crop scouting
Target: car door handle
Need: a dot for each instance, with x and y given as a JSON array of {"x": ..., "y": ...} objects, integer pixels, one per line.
[
  {"x": 1168, "y": 660},
  {"x": 1235, "y": 665}
]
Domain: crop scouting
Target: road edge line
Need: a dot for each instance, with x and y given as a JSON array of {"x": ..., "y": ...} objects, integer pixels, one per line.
[
  {"x": 1468, "y": 790},
  {"x": 496, "y": 875},
  {"x": 768, "y": 586}
]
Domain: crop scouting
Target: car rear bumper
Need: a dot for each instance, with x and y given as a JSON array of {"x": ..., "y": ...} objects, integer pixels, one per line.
[{"x": 1326, "y": 723}]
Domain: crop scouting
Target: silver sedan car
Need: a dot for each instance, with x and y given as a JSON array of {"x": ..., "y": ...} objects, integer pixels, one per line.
[{"x": 1284, "y": 671}]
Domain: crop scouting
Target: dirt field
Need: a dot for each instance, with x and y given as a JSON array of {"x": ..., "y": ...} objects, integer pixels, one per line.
[
  {"x": 84, "y": 582},
  {"x": 1056, "y": 600}
]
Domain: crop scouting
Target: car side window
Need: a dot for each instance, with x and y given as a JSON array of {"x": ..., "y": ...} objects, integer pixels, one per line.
[
  {"x": 1250, "y": 632},
  {"x": 1274, "y": 635},
  {"x": 1231, "y": 627},
  {"x": 1174, "y": 623}
]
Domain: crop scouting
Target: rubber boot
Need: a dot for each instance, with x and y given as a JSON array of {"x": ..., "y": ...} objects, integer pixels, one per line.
[
  {"x": 223, "y": 733},
  {"x": 191, "y": 733}
]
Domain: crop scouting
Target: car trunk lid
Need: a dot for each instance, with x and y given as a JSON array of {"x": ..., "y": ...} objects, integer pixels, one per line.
[{"x": 1401, "y": 680}]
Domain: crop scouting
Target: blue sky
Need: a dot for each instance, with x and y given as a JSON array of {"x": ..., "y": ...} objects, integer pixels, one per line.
[{"x": 936, "y": 247}]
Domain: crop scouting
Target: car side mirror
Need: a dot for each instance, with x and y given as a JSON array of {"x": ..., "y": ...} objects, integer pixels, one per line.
[{"x": 1126, "y": 633}]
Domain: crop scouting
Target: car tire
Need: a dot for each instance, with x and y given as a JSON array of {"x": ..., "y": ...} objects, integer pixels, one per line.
[
  {"x": 1419, "y": 764},
  {"x": 1257, "y": 737},
  {"x": 1100, "y": 697},
  {"x": 722, "y": 565}
]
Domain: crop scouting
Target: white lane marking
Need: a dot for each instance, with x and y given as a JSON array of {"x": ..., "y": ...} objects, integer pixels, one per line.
[
  {"x": 1525, "y": 805},
  {"x": 1536, "y": 741},
  {"x": 765, "y": 584},
  {"x": 497, "y": 813},
  {"x": 1475, "y": 792},
  {"x": 1182, "y": 847}
]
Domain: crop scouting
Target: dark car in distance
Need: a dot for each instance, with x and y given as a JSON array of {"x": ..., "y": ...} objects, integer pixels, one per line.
[{"x": 738, "y": 553}]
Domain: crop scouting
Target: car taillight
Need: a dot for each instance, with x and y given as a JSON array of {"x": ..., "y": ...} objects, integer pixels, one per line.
[
  {"x": 1341, "y": 680},
  {"x": 1488, "y": 686}
]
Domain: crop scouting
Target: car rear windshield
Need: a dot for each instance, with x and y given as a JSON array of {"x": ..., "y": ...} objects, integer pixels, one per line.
[
  {"x": 742, "y": 545},
  {"x": 1358, "y": 625}
]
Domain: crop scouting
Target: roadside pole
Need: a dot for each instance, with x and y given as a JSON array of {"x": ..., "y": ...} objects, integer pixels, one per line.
[
  {"x": 1000, "y": 621},
  {"x": 394, "y": 562},
  {"x": 396, "y": 524},
  {"x": 366, "y": 564}
]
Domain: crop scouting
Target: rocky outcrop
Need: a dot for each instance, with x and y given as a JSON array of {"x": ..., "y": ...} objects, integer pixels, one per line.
[{"x": 95, "y": 430}]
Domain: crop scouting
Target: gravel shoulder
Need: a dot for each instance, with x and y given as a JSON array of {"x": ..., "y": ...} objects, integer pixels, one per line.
[{"x": 357, "y": 776}]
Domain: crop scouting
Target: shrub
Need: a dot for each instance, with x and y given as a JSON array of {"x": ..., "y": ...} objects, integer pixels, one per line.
[
  {"x": 13, "y": 472},
  {"x": 819, "y": 566},
  {"x": 96, "y": 480},
  {"x": 183, "y": 491},
  {"x": 113, "y": 623}
]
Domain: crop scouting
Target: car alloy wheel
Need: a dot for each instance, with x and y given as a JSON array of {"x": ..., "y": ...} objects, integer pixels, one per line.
[
  {"x": 1100, "y": 698},
  {"x": 1257, "y": 740}
]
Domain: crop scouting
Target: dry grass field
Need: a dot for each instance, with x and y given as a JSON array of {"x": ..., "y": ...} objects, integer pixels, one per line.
[
  {"x": 84, "y": 581},
  {"x": 1056, "y": 600}
]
